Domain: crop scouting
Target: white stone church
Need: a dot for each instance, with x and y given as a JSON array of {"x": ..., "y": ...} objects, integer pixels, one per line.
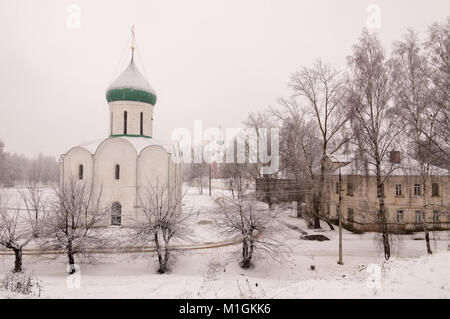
[{"x": 129, "y": 159}]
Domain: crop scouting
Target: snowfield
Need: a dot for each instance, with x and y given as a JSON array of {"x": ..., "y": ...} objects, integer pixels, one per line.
[{"x": 215, "y": 273}]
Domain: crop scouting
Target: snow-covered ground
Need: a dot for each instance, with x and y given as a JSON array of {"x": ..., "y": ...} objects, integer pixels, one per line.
[{"x": 215, "y": 273}]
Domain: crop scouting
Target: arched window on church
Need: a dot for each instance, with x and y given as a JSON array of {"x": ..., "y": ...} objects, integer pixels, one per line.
[
  {"x": 142, "y": 123},
  {"x": 112, "y": 118},
  {"x": 117, "y": 172},
  {"x": 125, "y": 118},
  {"x": 80, "y": 172}
]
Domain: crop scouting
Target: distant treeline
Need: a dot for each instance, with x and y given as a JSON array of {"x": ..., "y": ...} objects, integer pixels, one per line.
[{"x": 18, "y": 170}]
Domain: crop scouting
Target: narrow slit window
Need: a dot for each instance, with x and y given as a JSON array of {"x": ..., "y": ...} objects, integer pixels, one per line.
[
  {"x": 125, "y": 119},
  {"x": 142, "y": 123},
  {"x": 80, "y": 172},
  {"x": 117, "y": 172}
]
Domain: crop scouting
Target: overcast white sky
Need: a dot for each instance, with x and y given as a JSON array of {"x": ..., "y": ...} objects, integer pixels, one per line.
[{"x": 214, "y": 60}]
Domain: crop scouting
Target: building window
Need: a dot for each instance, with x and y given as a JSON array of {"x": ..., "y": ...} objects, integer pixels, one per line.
[
  {"x": 435, "y": 189},
  {"x": 349, "y": 189},
  {"x": 116, "y": 214},
  {"x": 112, "y": 117},
  {"x": 142, "y": 123},
  {"x": 417, "y": 190},
  {"x": 80, "y": 172},
  {"x": 398, "y": 190},
  {"x": 337, "y": 188},
  {"x": 125, "y": 120},
  {"x": 400, "y": 216},
  {"x": 418, "y": 216},
  {"x": 117, "y": 172},
  {"x": 350, "y": 214},
  {"x": 435, "y": 216}
]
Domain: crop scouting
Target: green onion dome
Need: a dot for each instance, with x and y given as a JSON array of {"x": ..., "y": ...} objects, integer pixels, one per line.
[{"x": 131, "y": 85}]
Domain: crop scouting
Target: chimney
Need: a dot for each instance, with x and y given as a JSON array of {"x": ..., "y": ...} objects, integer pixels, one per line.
[{"x": 395, "y": 157}]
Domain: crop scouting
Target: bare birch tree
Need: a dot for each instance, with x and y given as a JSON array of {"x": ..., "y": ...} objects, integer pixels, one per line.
[
  {"x": 72, "y": 219},
  {"x": 374, "y": 118},
  {"x": 437, "y": 49},
  {"x": 162, "y": 222},
  {"x": 323, "y": 91},
  {"x": 411, "y": 96}
]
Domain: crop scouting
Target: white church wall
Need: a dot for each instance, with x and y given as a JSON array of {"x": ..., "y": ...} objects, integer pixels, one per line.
[
  {"x": 153, "y": 166},
  {"x": 112, "y": 152},
  {"x": 73, "y": 159},
  {"x": 134, "y": 110}
]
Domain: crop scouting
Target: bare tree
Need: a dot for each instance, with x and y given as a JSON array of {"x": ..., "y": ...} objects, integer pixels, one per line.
[
  {"x": 300, "y": 152},
  {"x": 32, "y": 198},
  {"x": 3, "y": 165},
  {"x": 194, "y": 174},
  {"x": 162, "y": 221},
  {"x": 262, "y": 124},
  {"x": 16, "y": 169},
  {"x": 374, "y": 118},
  {"x": 240, "y": 217},
  {"x": 71, "y": 222},
  {"x": 43, "y": 169},
  {"x": 323, "y": 90},
  {"x": 238, "y": 175},
  {"x": 411, "y": 96},
  {"x": 16, "y": 231},
  {"x": 437, "y": 49}
]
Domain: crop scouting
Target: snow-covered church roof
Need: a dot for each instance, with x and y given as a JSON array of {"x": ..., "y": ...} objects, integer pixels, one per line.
[
  {"x": 139, "y": 144},
  {"x": 131, "y": 85}
]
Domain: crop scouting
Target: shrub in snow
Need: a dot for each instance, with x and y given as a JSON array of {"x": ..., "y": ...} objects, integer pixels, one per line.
[
  {"x": 241, "y": 217},
  {"x": 16, "y": 231},
  {"x": 23, "y": 283}
]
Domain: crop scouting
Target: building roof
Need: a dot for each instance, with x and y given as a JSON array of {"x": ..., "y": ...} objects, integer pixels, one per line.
[
  {"x": 131, "y": 85},
  {"x": 408, "y": 166},
  {"x": 139, "y": 144}
]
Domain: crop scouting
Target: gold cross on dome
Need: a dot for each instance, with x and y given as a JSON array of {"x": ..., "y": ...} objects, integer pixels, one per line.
[{"x": 132, "y": 39}]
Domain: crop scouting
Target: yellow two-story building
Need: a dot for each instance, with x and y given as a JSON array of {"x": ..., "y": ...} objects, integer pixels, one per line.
[{"x": 409, "y": 201}]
